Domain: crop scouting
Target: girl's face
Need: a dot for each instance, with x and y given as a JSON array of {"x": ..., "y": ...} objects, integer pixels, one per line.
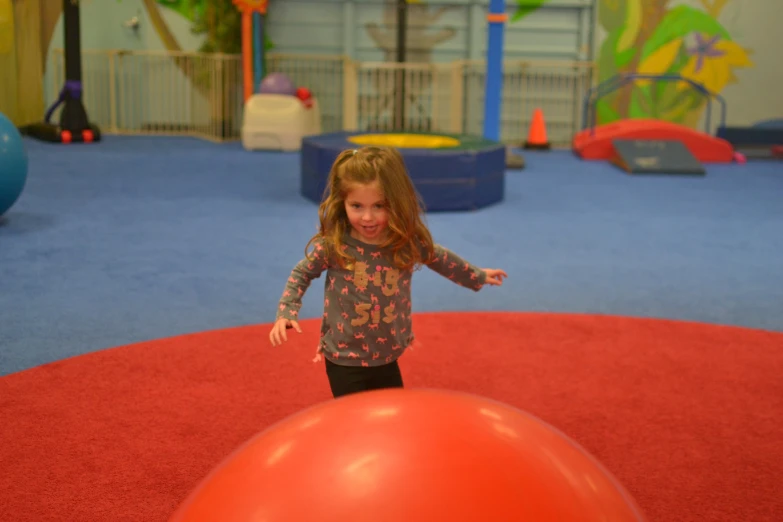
[{"x": 367, "y": 213}]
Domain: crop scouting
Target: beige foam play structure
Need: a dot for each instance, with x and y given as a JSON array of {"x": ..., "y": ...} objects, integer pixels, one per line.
[{"x": 278, "y": 122}]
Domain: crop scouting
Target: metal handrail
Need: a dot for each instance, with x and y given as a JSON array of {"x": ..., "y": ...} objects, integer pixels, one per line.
[{"x": 618, "y": 81}]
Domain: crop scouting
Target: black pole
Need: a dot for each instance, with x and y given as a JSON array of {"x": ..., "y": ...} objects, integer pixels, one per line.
[
  {"x": 74, "y": 125},
  {"x": 73, "y": 116},
  {"x": 402, "y": 26},
  {"x": 73, "y": 51}
]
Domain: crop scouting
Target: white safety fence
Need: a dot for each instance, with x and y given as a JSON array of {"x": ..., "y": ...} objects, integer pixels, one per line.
[{"x": 198, "y": 94}]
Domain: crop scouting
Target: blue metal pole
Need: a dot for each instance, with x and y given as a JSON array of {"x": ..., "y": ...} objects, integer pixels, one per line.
[
  {"x": 258, "y": 45},
  {"x": 493, "y": 89}
]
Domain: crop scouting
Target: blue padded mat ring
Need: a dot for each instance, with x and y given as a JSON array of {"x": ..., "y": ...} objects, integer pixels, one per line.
[{"x": 467, "y": 176}]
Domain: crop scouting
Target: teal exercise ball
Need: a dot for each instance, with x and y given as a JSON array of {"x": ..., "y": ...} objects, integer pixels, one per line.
[{"x": 13, "y": 164}]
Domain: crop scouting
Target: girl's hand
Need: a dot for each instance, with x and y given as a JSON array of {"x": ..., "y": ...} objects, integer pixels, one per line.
[
  {"x": 278, "y": 333},
  {"x": 495, "y": 276}
]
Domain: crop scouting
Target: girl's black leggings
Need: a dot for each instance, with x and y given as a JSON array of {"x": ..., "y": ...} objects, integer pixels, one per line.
[{"x": 353, "y": 379}]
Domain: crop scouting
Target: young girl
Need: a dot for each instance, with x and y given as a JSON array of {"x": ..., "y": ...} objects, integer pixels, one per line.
[{"x": 371, "y": 238}]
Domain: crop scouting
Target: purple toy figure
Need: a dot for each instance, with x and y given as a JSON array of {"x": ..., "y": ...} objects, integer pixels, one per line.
[{"x": 277, "y": 83}]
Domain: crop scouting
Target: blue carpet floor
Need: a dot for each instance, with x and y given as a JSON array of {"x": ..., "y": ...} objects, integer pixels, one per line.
[{"x": 139, "y": 238}]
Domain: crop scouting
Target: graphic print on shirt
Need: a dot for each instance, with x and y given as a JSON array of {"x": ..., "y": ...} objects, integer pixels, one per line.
[
  {"x": 366, "y": 318},
  {"x": 371, "y": 304},
  {"x": 388, "y": 287}
]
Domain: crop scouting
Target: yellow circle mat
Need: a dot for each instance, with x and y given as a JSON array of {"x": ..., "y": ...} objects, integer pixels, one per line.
[{"x": 410, "y": 141}]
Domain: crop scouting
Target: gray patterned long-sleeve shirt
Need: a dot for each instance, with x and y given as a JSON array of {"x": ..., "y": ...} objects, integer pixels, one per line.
[{"x": 367, "y": 308}]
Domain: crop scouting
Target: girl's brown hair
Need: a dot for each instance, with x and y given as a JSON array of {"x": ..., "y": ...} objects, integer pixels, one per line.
[{"x": 408, "y": 238}]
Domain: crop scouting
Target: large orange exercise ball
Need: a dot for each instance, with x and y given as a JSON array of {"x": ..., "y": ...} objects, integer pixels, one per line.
[{"x": 409, "y": 456}]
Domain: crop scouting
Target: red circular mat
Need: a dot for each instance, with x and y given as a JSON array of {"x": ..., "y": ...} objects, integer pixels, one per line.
[{"x": 687, "y": 416}]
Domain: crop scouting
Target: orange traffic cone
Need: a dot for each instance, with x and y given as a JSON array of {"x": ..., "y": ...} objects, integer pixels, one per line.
[{"x": 536, "y": 138}]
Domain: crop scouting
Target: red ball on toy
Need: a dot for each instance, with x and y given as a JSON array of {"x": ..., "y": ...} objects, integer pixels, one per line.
[
  {"x": 409, "y": 456},
  {"x": 304, "y": 94}
]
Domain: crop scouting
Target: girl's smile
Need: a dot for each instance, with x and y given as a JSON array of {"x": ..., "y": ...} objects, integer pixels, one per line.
[{"x": 365, "y": 207}]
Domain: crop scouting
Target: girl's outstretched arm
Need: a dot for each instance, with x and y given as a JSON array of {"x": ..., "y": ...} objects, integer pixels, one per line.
[
  {"x": 453, "y": 267},
  {"x": 299, "y": 281}
]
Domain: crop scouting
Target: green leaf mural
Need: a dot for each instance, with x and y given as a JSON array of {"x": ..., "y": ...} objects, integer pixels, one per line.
[
  {"x": 611, "y": 14},
  {"x": 650, "y": 37},
  {"x": 680, "y": 22},
  {"x": 612, "y": 60},
  {"x": 525, "y": 7},
  {"x": 182, "y": 7},
  {"x": 221, "y": 22}
]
